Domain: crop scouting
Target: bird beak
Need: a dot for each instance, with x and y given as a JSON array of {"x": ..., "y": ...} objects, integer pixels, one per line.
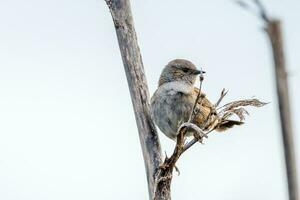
[{"x": 196, "y": 72}]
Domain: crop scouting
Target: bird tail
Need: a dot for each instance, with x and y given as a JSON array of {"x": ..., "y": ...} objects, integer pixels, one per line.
[{"x": 226, "y": 124}]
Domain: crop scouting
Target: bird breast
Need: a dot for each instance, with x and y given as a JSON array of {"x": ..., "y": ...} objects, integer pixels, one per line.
[{"x": 171, "y": 105}]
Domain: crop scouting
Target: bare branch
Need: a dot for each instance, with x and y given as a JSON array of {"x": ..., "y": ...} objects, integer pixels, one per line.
[
  {"x": 223, "y": 94},
  {"x": 273, "y": 29},
  {"x": 132, "y": 61},
  {"x": 189, "y": 125},
  {"x": 193, "y": 112},
  {"x": 194, "y": 140},
  {"x": 260, "y": 13}
]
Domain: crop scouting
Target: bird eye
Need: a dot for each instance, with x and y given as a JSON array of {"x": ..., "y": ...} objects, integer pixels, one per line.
[{"x": 185, "y": 69}]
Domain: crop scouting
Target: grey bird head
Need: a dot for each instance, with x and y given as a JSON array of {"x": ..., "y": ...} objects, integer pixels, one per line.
[{"x": 179, "y": 70}]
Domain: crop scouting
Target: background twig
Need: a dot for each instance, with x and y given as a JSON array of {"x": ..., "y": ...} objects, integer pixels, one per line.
[{"x": 274, "y": 32}]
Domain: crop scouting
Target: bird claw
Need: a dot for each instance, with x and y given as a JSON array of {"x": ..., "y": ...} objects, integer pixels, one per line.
[{"x": 199, "y": 137}]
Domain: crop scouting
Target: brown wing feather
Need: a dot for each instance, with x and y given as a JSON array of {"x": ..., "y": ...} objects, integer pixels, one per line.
[
  {"x": 228, "y": 124},
  {"x": 203, "y": 109},
  {"x": 207, "y": 117}
]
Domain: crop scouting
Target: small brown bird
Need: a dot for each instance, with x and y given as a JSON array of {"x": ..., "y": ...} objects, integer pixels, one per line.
[{"x": 173, "y": 101}]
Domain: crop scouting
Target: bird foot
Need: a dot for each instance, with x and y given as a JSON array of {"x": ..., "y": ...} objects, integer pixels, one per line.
[{"x": 199, "y": 137}]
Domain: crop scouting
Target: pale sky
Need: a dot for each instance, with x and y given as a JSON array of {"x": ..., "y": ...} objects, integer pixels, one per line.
[{"x": 67, "y": 127}]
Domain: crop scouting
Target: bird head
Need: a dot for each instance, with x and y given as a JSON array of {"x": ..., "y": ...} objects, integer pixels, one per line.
[{"x": 179, "y": 70}]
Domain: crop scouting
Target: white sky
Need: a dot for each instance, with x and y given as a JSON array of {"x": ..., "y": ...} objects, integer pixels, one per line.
[{"x": 67, "y": 128}]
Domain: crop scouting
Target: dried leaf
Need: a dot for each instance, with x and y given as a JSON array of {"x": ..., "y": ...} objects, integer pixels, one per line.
[
  {"x": 246, "y": 102},
  {"x": 239, "y": 112}
]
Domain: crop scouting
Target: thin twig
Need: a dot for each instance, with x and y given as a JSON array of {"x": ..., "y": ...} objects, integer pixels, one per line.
[
  {"x": 223, "y": 94},
  {"x": 192, "y": 115},
  {"x": 213, "y": 110},
  {"x": 189, "y": 125},
  {"x": 194, "y": 140},
  {"x": 261, "y": 13}
]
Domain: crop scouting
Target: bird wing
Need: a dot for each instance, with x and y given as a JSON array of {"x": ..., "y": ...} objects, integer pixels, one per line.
[
  {"x": 205, "y": 113},
  {"x": 204, "y": 102},
  {"x": 207, "y": 117}
]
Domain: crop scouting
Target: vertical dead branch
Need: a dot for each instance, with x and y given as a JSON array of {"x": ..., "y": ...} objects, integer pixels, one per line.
[
  {"x": 132, "y": 61},
  {"x": 273, "y": 29}
]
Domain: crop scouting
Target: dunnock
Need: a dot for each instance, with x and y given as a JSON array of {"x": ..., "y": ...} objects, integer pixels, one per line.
[{"x": 173, "y": 101}]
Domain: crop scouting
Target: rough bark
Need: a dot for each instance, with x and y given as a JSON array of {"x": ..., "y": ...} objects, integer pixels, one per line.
[
  {"x": 273, "y": 29},
  {"x": 132, "y": 61}
]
